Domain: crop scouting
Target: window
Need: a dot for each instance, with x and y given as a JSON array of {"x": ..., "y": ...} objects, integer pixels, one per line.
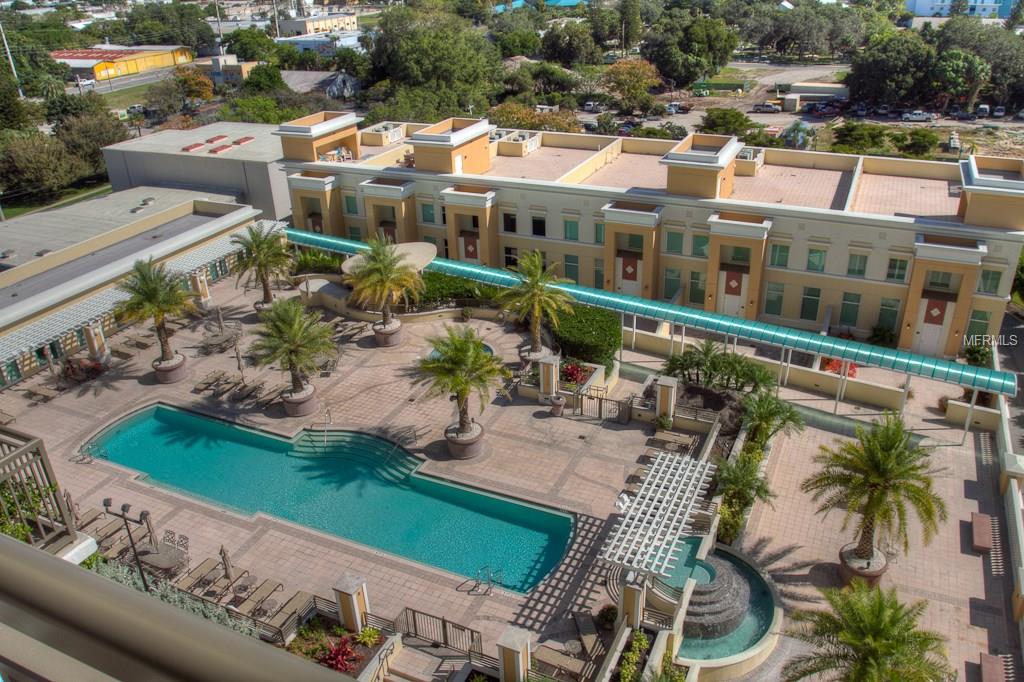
[
  {"x": 978, "y": 324},
  {"x": 540, "y": 227},
  {"x": 427, "y": 213},
  {"x": 889, "y": 313},
  {"x": 939, "y": 280},
  {"x": 508, "y": 222},
  {"x": 989, "y": 281},
  {"x": 635, "y": 242},
  {"x": 572, "y": 230},
  {"x": 773, "y": 298},
  {"x": 740, "y": 254},
  {"x": 351, "y": 206},
  {"x": 444, "y": 215},
  {"x": 674, "y": 243},
  {"x": 857, "y": 265},
  {"x": 697, "y": 280},
  {"x": 571, "y": 267},
  {"x": 511, "y": 257},
  {"x": 700, "y": 246},
  {"x": 779, "y": 256},
  {"x": 355, "y": 233},
  {"x": 809, "y": 304},
  {"x": 897, "y": 271},
  {"x": 429, "y": 239},
  {"x": 599, "y": 233},
  {"x": 673, "y": 280},
  {"x": 816, "y": 260},
  {"x": 599, "y": 273},
  {"x": 850, "y": 309}
]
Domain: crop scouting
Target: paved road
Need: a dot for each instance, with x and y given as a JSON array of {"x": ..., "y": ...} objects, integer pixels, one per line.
[
  {"x": 1011, "y": 359},
  {"x": 788, "y": 73},
  {"x": 124, "y": 81}
]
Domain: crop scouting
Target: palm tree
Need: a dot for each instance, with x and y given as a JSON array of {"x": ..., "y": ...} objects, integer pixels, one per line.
[
  {"x": 708, "y": 360},
  {"x": 876, "y": 478},
  {"x": 460, "y": 366},
  {"x": 766, "y": 415},
  {"x": 264, "y": 256},
  {"x": 50, "y": 87},
  {"x": 535, "y": 297},
  {"x": 154, "y": 293},
  {"x": 383, "y": 278},
  {"x": 868, "y": 636},
  {"x": 294, "y": 338},
  {"x": 739, "y": 482}
]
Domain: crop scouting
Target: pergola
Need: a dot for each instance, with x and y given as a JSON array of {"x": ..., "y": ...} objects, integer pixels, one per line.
[{"x": 647, "y": 537}]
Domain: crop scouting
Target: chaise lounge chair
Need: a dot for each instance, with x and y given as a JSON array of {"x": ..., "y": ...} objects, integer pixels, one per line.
[
  {"x": 209, "y": 381},
  {"x": 559, "y": 662},
  {"x": 246, "y": 392},
  {"x": 256, "y": 599},
  {"x": 588, "y": 633},
  {"x": 271, "y": 396},
  {"x": 292, "y": 606},
  {"x": 192, "y": 578}
]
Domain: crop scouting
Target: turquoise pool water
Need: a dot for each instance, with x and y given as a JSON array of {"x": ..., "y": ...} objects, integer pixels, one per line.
[
  {"x": 750, "y": 630},
  {"x": 358, "y": 487},
  {"x": 689, "y": 566}
]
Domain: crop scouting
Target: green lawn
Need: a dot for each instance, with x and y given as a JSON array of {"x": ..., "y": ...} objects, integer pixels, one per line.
[
  {"x": 72, "y": 195},
  {"x": 367, "y": 20},
  {"x": 122, "y": 99}
]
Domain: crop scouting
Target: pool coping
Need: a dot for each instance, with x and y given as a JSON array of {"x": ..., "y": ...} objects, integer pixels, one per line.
[{"x": 142, "y": 478}]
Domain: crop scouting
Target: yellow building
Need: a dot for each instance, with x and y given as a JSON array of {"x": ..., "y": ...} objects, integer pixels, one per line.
[
  {"x": 923, "y": 252},
  {"x": 103, "y": 62}
]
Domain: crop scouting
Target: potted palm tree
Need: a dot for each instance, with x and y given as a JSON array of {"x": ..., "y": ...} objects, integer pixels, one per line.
[
  {"x": 458, "y": 367},
  {"x": 263, "y": 257},
  {"x": 876, "y": 479},
  {"x": 296, "y": 339},
  {"x": 382, "y": 279},
  {"x": 535, "y": 298},
  {"x": 765, "y": 415},
  {"x": 154, "y": 293},
  {"x": 867, "y": 635}
]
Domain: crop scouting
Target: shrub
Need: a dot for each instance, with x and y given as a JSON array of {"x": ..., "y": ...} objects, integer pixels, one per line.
[
  {"x": 629, "y": 664},
  {"x": 591, "y": 334},
  {"x": 730, "y": 520},
  {"x": 316, "y": 261},
  {"x": 438, "y": 287},
  {"x": 607, "y": 616},
  {"x": 341, "y": 657},
  {"x": 978, "y": 354},
  {"x": 664, "y": 422},
  {"x": 882, "y": 336},
  {"x": 573, "y": 373},
  {"x": 368, "y": 637}
]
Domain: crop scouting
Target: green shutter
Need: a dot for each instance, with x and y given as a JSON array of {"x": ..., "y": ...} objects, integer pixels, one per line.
[
  {"x": 697, "y": 280},
  {"x": 809, "y": 303},
  {"x": 571, "y": 267},
  {"x": 599, "y": 233},
  {"x": 673, "y": 280},
  {"x": 599, "y": 272},
  {"x": 849, "y": 310},
  {"x": 351, "y": 207},
  {"x": 635, "y": 242},
  {"x": 888, "y": 313},
  {"x": 773, "y": 297},
  {"x": 355, "y": 233},
  {"x": 427, "y": 210},
  {"x": 978, "y": 325},
  {"x": 779, "y": 256},
  {"x": 572, "y": 230},
  {"x": 700, "y": 246},
  {"x": 674, "y": 243},
  {"x": 816, "y": 260},
  {"x": 989, "y": 282},
  {"x": 857, "y": 266}
]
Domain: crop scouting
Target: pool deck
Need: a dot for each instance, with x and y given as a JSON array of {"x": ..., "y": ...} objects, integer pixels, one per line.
[{"x": 572, "y": 465}]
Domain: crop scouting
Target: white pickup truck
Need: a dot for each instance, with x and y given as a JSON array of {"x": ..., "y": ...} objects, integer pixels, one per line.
[{"x": 918, "y": 116}]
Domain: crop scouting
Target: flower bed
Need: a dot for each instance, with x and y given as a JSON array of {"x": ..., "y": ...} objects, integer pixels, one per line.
[
  {"x": 574, "y": 372},
  {"x": 634, "y": 657},
  {"x": 329, "y": 644}
]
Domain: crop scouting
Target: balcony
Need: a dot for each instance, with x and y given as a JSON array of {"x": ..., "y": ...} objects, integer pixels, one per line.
[
  {"x": 740, "y": 225},
  {"x": 311, "y": 182},
  {"x": 949, "y": 249},
  {"x": 628, "y": 213},
  {"x": 388, "y": 188},
  {"x": 471, "y": 197}
]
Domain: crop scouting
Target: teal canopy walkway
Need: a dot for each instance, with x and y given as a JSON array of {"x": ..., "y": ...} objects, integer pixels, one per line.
[{"x": 980, "y": 378}]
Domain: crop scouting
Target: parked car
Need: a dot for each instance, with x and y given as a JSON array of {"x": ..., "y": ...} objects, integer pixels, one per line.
[
  {"x": 594, "y": 107},
  {"x": 918, "y": 116},
  {"x": 590, "y": 126},
  {"x": 999, "y": 112},
  {"x": 624, "y": 131},
  {"x": 966, "y": 116},
  {"x": 767, "y": 108},
  {"x": 861, "y": 110},
  {"x": 764, "y": 59},
  {"x": 678, "y": 108},
  {"x": 983, "y": 110},
  {"x": 136, "y": 110},
  {"x": 1020, "y": 115},
  {"x": 86, "y": 82}
]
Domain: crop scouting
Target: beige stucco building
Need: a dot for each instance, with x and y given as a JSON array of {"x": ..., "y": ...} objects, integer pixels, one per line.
[
  {"x": 319, "y": 23},
  {"x": 836, "y": 243}
]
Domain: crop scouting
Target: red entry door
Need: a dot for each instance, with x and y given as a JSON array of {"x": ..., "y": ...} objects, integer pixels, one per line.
[
  {"x": 390, "y": 233},
  {"x": 935, "y": 312},
  {"x": 630, "y": 267},
  {"x": 469, "y": 243}
]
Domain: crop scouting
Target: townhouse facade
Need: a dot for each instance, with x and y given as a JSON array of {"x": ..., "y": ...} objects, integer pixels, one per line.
[{"x": 920, "y": 254}]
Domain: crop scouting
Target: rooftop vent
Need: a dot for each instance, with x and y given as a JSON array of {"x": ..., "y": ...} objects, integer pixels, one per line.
[
  {"x": 216, "y": 138},
  {"x": 8, "y": 253},
  {"x": 148, "y": 201},
  {"x": 219, "y": 149},
  {"x": 43, "y": 252},
  {"x": 244, "y": 140},
  {"x": 192, "y": 147}
]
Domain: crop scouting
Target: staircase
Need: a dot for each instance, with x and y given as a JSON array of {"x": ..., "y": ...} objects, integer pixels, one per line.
[
  {"x": 415, "y": 663},
  {"x": 716, "y": 609},
  {"x": 387, "y": 460}
]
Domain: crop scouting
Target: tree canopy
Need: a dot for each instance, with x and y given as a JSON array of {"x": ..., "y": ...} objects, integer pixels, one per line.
[
  {"x": 251, "y": 44},
  {"x": 686, "y": 49}
]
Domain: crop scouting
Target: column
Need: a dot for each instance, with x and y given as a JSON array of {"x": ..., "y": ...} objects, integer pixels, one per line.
[
  {"x": 96, "y": 342},
  {"x": 714, "y": 264},
  {"x": 650, "y": 259},
  {"x": 452, "y": 228},
  {"x": 633, "y": 600},
  {"x": 513, "y": 654},
  {"x": 665, "y": 406},
  {"x": 353, "y": 602},
  {"x": 548, "y": 378},
  {"x": 197, "y": 282}
]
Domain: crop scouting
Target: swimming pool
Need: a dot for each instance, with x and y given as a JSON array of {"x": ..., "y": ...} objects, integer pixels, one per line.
[{"x": 357, "y": 487}]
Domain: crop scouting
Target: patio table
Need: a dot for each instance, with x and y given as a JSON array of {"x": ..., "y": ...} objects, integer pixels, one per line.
[{"x": 162, "y": 558}]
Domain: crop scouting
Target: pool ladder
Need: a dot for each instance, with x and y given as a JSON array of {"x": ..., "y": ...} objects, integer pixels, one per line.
[
  {"x": 486, "y": 578},
  {"x": 325, "y": 424}
]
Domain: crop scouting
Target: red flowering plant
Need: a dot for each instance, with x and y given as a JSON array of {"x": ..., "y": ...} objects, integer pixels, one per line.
[
  {"x": 573, "y": 373},
  {"x": 341, "y": 657},
  {"x": 836, "y": 366}
]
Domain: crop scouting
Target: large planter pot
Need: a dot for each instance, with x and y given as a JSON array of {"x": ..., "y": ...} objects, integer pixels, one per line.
[
  {"x": 171, "y": 371},
  {"x": 389, "y": 335},
  {"x": 557, "y": 405},
  {"x": 851, "y": 567},
  {"x": 467, "y": 445},
  {"x": 302, "y": 403}
]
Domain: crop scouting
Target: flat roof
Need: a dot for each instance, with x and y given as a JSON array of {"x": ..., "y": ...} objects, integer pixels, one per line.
[
  {"x": 794, "y": 186},
  {"x": 628, "y": 171},
  {"x": 264, "y": 146},
  {"x": 910, "y": 197},
  {"x": 56, "y": 229},
  {"x": 545, "y": 163}
]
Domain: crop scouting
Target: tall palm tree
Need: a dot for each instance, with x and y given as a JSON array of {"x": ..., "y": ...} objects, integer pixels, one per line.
[
  {"x": 868, "y": 636},
  {"x": 766, "y": 415},
  {"x": 535, "y": 298},
  {"x": 876, "y": 479},
  {"x": 460, "y": 366},
  {"x": 383, "y": 278},
  {"x": 708, "y": 360},
  {"x": 264, "y": 256},
  {"x": 50, "y": 87},
  {"x": 739, "y": 482},
  {"x": 294, "y": 338},
  {"x": 154, "y": 293}
]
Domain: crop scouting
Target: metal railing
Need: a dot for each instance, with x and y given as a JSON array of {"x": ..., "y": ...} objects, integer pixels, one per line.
[
  {"x": 657, "y": 619},
  {"x": 31, "y": 504},
  {"x": 440, "y": 631},
  {"x": 695, "y": 413},
  {"x": 670, "y": 592}
]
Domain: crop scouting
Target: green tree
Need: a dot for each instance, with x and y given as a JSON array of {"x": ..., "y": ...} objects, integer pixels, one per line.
[
  {"x": 686, "y": 48},
  {"x": 1003, "y": 50},
  {"x": 632, "y": 24},
  {"x": 630, "y": 80},
  {"x": 960, "y": 76},
  {"x": 606, "y": 124},
  {"x": 515, "y": 115},
  {"x": 251, "y": 45},
  {"x": 958, "y": 8},
  {"x": 65, "y": 106},
  {"x": 263, "y": 258},
  {"x": 37, "y": 166},
  {"x": 536, "y": 297},
  {"x": 286, "y": 56},
  {"x": 49, "y": 86},
  {"x": 258, "y": 109},
  {"x": 264, "y": 78},
  {"x": 765, "y": 415},
  {"x": 920, "y": 143},
  {"x": 294, "y": 338},
  {"x": 85, "y": 136},
  {"x": 895, "y": 68},
  {"x": 165, "y": 98},
  {"x": 877, "y": 479},
  {"x": 802, "y": 30},
  {"x": 460, "y": 366},
  {"x": 13, "y": 114},
  {"x": 569, "y": 45},
  {"x": 383, "y": 278},
  {"x": 352, "y": 62},
  {"x": 726, "y": 122},
  {"x": 524, "y": 42},
  {"x": 194, "y": 84},
  {"x": 740, "y": 483},
  {"x": 867, "y": 635},
  {"x": 155, "y": 293}
]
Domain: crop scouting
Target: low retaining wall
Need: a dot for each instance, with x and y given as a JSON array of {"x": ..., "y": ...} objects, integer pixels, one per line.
[{"x": 983, "y": 418}]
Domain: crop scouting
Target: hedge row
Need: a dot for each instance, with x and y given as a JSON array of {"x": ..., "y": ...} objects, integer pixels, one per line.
[
  {"x": 590, "y": 334},
  {"x": 439, "y": 287}
]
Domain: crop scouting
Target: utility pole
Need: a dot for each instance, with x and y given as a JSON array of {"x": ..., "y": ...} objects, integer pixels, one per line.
[
  {"x": 220, "y": 29},
  {"x": 10, "y": 60},
  {"x": 277, "y": 26}
]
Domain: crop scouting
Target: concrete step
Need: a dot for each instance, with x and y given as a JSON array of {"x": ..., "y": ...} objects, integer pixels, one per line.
[{"x": 413, "y": 665}]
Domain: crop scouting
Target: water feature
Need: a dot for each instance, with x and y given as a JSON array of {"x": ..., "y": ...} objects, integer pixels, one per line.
[
  {"x": 487, "y": 349},
  {"x": 689, "y": 566}
]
